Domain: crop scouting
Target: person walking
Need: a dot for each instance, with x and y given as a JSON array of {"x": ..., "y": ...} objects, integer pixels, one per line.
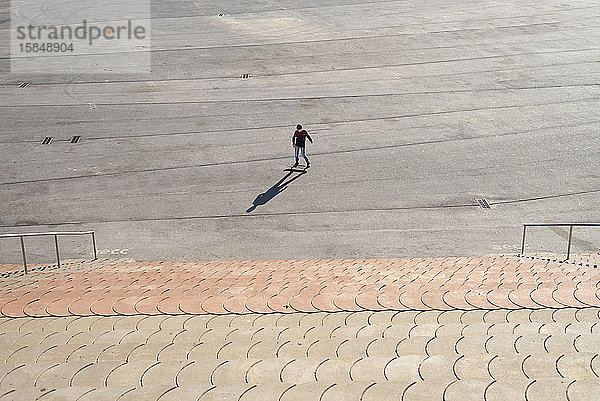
[{"x": 299, "y": 143}]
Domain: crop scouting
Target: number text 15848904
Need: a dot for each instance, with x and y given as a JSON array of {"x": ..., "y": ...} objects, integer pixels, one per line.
[{"x": 49, "y": 47}]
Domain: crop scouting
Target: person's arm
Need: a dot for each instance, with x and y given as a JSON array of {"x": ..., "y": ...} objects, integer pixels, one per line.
[
  {"x": 294, "y": 140},
  {"x": 309, "y": 138}
]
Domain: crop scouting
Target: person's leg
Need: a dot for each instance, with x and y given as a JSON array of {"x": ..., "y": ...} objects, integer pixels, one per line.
[
  {"x": 304, "y": 155},
  {"x": 296, "y": 155}
]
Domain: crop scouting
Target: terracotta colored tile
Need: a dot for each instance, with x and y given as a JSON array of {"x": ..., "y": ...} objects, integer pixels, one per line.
[
  {"x": 267, "y": 286},
  {"x": 522, "y": 298},
  {"x": 456, "y": 299},
  {"x": 301, "y": 302},
  {"x": 499, "y": 298},
  {"x": 104, "y": 305},
  {"x": 34, "y": 292},
  {"x": 346, "y": 302},
  {"x": 148, "y": 305},
  {"x": 214, "y": 304},
  {"x": 281, "y": 301},
  {"x": 565, "y": 295},
  {"x": 411, "y": 299},
  {"x": 433, "y": 299},
  {"x": 257, "y": 303},
  {"x": 38, "y": 308},
  {"x": 60, "y": 306},
  {"x": 169, "y": 304},
  {"x": 236, "y": 304},
  {"x": 15, "y": 308},
  {"x": 368, "y": 300},
  {"x": 543, "y": 297},
  {"x": 587, "y": 294},
  {"x": 324, "y": 302},
  {"x": 192, "y": 302},
  {"x": 7, "y": 297},
  {"x": 81, "y": 306},
  {"x": 125, "y": 305},
  {"x": 477, "y": 299}
]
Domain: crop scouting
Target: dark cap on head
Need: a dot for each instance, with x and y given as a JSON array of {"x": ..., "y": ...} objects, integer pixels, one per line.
[{"x": 298, "y": 126}]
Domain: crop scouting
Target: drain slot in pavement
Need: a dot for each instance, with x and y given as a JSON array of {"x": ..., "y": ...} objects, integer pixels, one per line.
[
  {"x": 245, "y": 76},
  {"x": 483, "y": 203},
  {"x": 75, "y": 139},
  {"x": 47, "y": 140},
  {"x": 23, "y": 84}
]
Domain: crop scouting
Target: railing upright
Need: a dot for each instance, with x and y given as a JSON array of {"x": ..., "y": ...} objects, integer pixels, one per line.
[{"x": 23, "y": 251}]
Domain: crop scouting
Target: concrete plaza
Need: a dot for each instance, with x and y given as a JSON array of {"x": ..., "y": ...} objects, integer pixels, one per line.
[{"x": 417, "y": 109}]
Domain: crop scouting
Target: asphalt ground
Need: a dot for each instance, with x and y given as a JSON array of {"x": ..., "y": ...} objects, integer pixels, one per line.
[{"x": 416, "y": 110}]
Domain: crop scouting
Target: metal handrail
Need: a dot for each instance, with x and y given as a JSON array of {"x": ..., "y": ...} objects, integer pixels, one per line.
[
  {"x": 56, "y": 235},
  {"x": 570, "y": 225}
]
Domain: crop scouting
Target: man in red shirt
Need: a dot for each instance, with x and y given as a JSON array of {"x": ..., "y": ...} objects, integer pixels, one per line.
[{"x": 299, "y": 143}]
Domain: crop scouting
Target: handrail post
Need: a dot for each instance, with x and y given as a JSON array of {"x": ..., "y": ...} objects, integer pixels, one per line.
[
  {"x": 94, "y": 242},
  {"x": 24, "y": 258},
  {"x": 570, "y": 236},
  {"x": 523, "y": 241},
  {"x": 57, "y": 253}
]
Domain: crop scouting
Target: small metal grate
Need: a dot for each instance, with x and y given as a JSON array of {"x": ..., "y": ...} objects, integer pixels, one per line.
[
  {"x": 23, "y": 84},
  {"x": 47, "y": 140},
  {"x": 483, "y": 203},
  {"x": 245, "y": 76},
  {"x": 75, "y": 139}
]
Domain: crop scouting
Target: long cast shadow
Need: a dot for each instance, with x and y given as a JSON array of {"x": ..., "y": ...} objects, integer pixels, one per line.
[{"x": 276, "y": 189}]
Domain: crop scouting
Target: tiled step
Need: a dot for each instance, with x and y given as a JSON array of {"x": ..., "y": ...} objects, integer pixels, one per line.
[
  {"x": 373, "y": 355},
  {"x": 112, "y": 288}
]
